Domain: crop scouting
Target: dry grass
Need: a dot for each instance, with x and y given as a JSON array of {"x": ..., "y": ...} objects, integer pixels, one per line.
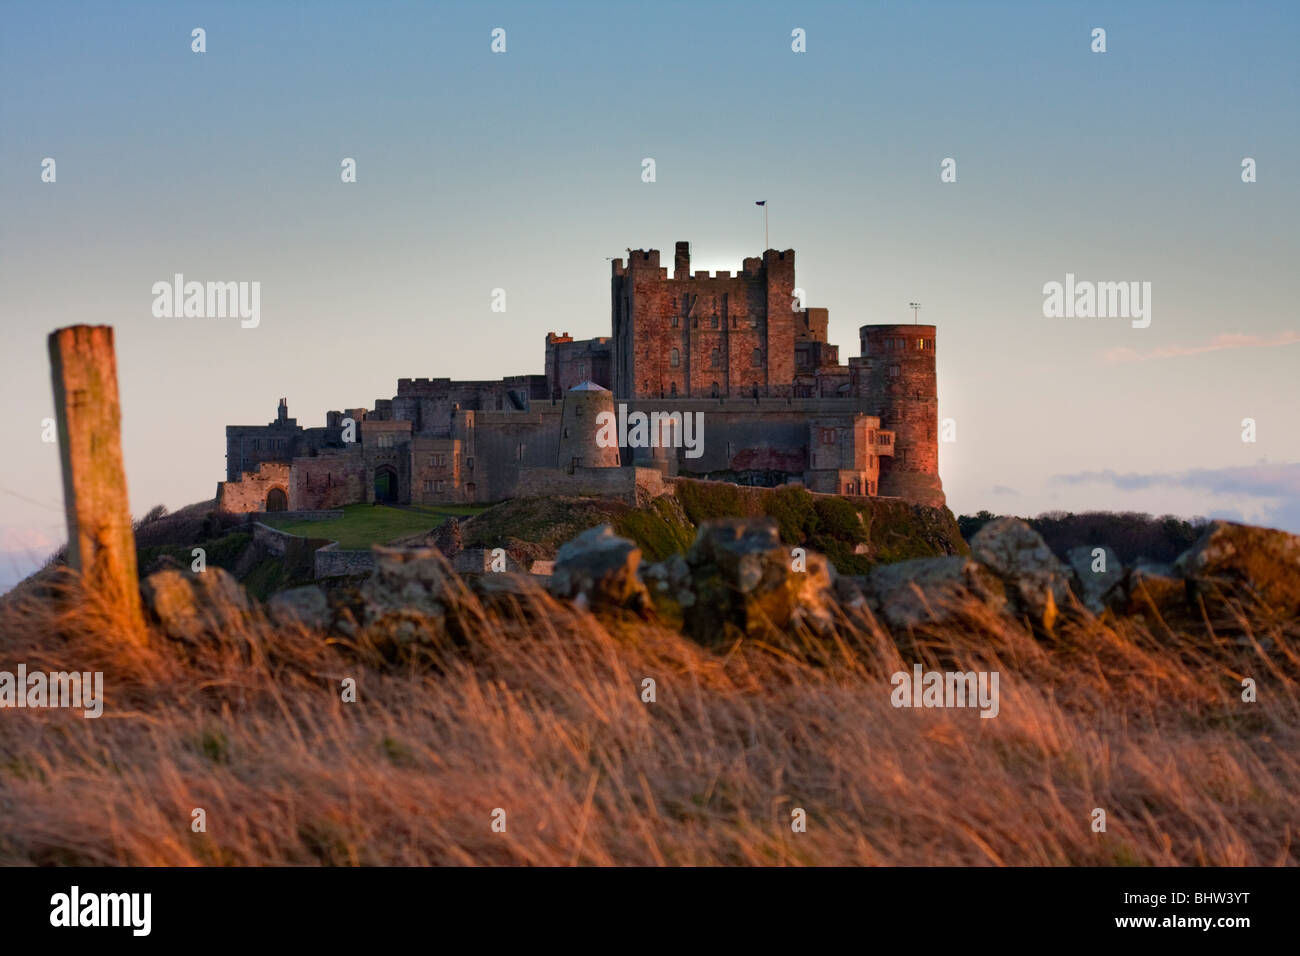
[{"x": 540, "y": 713}]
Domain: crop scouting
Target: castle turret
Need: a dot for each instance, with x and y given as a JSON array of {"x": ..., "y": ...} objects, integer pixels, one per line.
[
  {"x": 899, "y": 384},
  {"x": 578, "y": 428}
]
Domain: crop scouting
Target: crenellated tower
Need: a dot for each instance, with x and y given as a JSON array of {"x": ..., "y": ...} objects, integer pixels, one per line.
[{"x": 899, "y": 384}]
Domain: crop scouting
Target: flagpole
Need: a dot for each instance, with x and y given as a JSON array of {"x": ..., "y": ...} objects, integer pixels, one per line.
[{"x": 767, "y": 242}]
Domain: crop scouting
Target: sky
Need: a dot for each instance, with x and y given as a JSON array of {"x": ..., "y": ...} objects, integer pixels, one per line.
[{"x": 522, "y": 171}]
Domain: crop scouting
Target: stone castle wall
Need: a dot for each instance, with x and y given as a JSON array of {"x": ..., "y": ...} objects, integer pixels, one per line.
[{"x": 249, "y": 493}]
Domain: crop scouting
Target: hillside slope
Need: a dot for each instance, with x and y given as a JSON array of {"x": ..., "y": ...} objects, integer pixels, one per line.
[{"x": 855, "y": 533}]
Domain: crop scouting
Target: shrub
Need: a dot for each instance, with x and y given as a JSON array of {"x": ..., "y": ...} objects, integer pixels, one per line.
[{"x": 794, "y": 511}]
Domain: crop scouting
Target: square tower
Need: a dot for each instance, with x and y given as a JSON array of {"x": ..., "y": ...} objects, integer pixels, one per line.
[{"x": 697, "y": 335}]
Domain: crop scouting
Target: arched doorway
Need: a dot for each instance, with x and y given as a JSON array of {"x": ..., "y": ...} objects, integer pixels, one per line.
[
  {"x": 385, "y": 485},
  {"x": 277, "y": 500}
]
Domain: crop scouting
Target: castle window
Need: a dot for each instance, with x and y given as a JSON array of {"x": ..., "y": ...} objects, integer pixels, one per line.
[
  {"x": 385, "y": 440},
  {"x": 439, "y": 486},
  {"x": 715, "y": 360},
  {"x": 920, "y": 344},
  {"x": 519, "y": 451},
  {"x": 428, "y": 486},
  {"x": 673, "y": 390},
  {"x": 753, "y": 321},
  {"x": 756, "y": 359},
  {"x": 437, "y": 461},
  {"x": 675, "y": 358},
  {"x": 469, "y": 463},
  {"x": 893, "y": 371},
  {"x": 674, "y": 322},
  {"x": 713, "y": 322},
  {"x": 715, "y": 389}
]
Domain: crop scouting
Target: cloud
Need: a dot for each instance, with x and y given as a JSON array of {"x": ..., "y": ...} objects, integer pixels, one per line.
[
  {"x": 1003, "y": 490},
  {"x": 1269, "y": 491},
  {"x": 1264, "y": 480},
  {"x": 1216, "y": 344}
]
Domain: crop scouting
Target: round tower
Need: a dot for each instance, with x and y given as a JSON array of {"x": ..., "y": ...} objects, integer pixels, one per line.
[
  {"x": 578, "y": 428},
  {"x": 900, "y": 387}
]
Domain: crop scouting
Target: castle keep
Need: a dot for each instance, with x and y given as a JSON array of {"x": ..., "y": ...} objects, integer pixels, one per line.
[{"x": 777, "y": 407}]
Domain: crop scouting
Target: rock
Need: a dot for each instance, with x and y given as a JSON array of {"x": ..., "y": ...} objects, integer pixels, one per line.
[
  {"x": 1148, "y": 588},
  {"x": 306, "y": 606},
  {"x": 1094, "y": 575},
  {"x": 164, "y": 562},
  {"x": 849, "y": 591},
  {"x": 671, "y": 589},
  {"x": 191, "y": 606},
  {"x": 1232, "y": 558},
  {"x": 506, "y": 591},
  {"x": 1037, "y": 583},
  {"x": 743, "y": 583},
  {"x": 598, "y": 570},
  {"x": 930, "y": 590},
  {"x": 410, "y": 595}
]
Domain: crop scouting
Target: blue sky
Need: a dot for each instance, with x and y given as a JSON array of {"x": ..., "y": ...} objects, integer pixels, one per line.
[{"x": 522, "y": 171}]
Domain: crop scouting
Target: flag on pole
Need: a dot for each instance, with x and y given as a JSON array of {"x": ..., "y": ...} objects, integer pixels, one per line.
[{"x": 763, "y": 203}]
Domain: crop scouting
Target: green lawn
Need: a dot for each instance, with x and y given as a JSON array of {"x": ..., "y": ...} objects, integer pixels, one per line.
[{"x": 364, "y": 525}]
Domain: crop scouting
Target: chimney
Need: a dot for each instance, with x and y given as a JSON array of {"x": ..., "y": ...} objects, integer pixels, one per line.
[{"x": 682, "y": 261}]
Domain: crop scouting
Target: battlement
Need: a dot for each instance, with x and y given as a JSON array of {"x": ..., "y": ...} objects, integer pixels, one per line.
[
  {"x": 411, "y": 384},
  {"x": 646, "y": 259},
  {"x": 639, "y": 260}
]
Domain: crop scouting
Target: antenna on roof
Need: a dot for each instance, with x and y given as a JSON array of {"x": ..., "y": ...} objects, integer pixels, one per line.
[{"x": 914, "y": 306}]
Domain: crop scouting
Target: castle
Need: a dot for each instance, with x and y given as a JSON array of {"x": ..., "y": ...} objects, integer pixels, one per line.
[{"x": 777, "y": 405}]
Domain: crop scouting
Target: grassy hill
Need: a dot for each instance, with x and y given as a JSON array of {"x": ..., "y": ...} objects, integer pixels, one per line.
[
  {"x": 540, "y": 712},
  {"x": 364, "y": 525}
]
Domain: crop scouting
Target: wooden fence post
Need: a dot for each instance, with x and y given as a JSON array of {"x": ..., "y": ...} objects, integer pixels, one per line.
[{"x": 101, "y": 543}]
